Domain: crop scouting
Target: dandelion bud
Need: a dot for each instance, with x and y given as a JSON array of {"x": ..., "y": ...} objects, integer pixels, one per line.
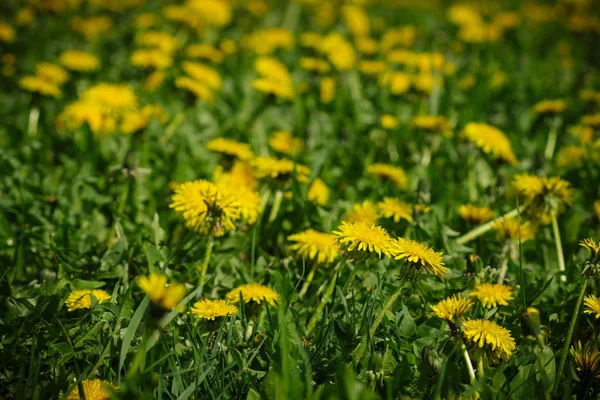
[
  {"x": 431, "y": 360},
  {"x": 531, "y": 322},
  {"x": 474, "y": 263}
]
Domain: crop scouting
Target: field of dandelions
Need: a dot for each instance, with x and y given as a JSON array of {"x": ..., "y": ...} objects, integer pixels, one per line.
[{"x": 309, "y": 199}]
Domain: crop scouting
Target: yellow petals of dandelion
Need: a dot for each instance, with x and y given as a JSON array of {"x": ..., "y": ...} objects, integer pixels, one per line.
[
  {"x": 253, "y": 292},
  {"x": 419, "y": 255},
  {"x": 284, "y": 142},
  {"x": 452, "y": 307},
  {"x": 550, "y": 106},
  {"x": 587, "y": 360},
  {"x": 362, "y": 237},
  {"x": 592, "y": 305},
  {"x": 509, "y": 228},
  {"x": 79, "y": 299},
  {"x": 231, "y": 148},
  {"x": 282, "y": 169},
  {"x": 491, "y": 295},
  {"x": 318, "y": 192},
  {"x": 81, "y": 61},
  {"x": 395, "y": 174},
  {"x": 313, "y": 245},
  {"x": 473, "y": 213},
  {"x": 365, "y": 212},
  {"x": 491, "y": 140},
  {"x": 496, "y": 340},
  {"x": 396, "y": 209},
  {"x": 155, "y": 287},
  {"x": 93, "y": 389},
  {"x": 591, "y": 245},
  {"x": 212, "y": 309}
]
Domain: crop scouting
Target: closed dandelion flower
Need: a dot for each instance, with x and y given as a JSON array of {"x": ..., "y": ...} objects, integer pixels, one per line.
[
  {"x": 318, "y": 192},
  {"x": 419, "y": 257},
  {"x": 388, "y": 121},
  {"x": 452, "y": 307},
  {"x": 279, "y": 169},
  {"x": 313, "y": 245},
  {"x": 232, "y": 148},
  {"x": 491, "y": 140},
  {"x": 494, "y": 339},
  {"x": 93, "y": 389},
  {"x": 365, "y": 212},
  {"x": 509, "y": 229},
  {"x": 491, "y": 295},
  {"x": 79, "y": 299},
  {"x": 592, "y": 306},
  {"x": 592, "y": 265},
  {"x": 548, "y": 107},
  {"x": 587, "y": 361},
  {"x": 213, "y": 309},
  {"x": 473, "y": 213},
  {"x": 393, "y": 173},
  {"x": 253, "y": 292},
  {"x": 284, "y": 142},
  {"x": 396, "y": 209},
  {"x": 206, "y": 207},
  {"x": 80, "y": 61},
  {"x": 362, "y": 237},
  {"x": 592, "y": 246},
  {"x": 155, "y": 287}
]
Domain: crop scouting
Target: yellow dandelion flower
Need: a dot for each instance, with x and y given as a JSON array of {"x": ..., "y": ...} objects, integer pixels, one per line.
[
  {"x": 431, "y": 123},
  {"x": 592, "y": 305},
  {"x": 280, "y": 169},
  {"x": 274, "y": 78},
  {"x": 572, "y": 155},
  {"x": 391, "y": 172},
  {"x": 35, "y": 84},
  {"x": 230, "y": 147},
  {"x": 7, "y": 32},
  {"x": 388, "y": 121},
  {"x": 491, "y": 140},
  {"x": 318, "y": 192},
  {"x": 79, "y": 299},
  {"x": 587, "y": 360},
  {"x": 493, "y": 338},
  {"x": 51, "y": 73},
  {"x": 267, "y": 41},
  {"x": 543, "y": 194},
  {"x": 327, "y": 89},
  {"x": 592, "y": 120},
  {"x": 491, "y": 295},
  {"x": 206, "y": 52},
  {"x": 314, "y": 64},
  {"x": 151, "y": 58},
  {"x": 162, "y": 41},
  {"x": 154, "y": 80},
  {"x": 284, "y": 142},
  {"x": 365, "y": 212},
  {"x": 213, "y": 309},
  {"x": 155, "y": 287},
  {"x": 91, "y": 28},
  {"x": 550, "y": 107},
  {"x": 452, "y": 307},
  {"x": 473, "y": 213},
  {"x": 313, "y": 245},
  {"x": 93, "y": 389},
  {"x": 253, "y": 292},
  {"x": 371, "y": 67},
  {"x": 77, "y": 60},
  {"x": 396, "y": 209},
  {"x": 592, "y": 246},
  {"x": 356, "y": 19},
  {"x": 204, "y": 74},
  {"x": 145, "y": 21},
  {"x": 509, "y": 228},
  {"x": 241, "y": 173},
  {"x": 419, "y": 256},
  {"x": 366, "y": 45},
  {"x": 585, "y": 134},
  {"x": 339, "y": 51},
  {"x": 112, "y": 99},
  {"x": 362, "y": 237},
  {"x": 195, "y": 87}
]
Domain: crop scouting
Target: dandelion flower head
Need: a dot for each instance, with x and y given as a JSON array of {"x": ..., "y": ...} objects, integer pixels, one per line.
[
  {"x": 79, "y": 299},
  {"x": 313, "y": 245},
  {"x": 396, "y": 209},
  {"x": 230, "y": 147},
  {"x": 491, "y": 295},
  {"x": 419, "y": 257},
  {"x": 212, "y": 309},
  {"x": 359, "y": 236},
  {"x": 592, "y": 306},
  {"x": 365, "y": 212},
  {"x": 493, "y": 338},
  {"x": 395, "y": 174},
  {"x": 155, "y": 287},
  {"x": 491, "y": 140},
  {"x": 93, "y": 389},
  {"x": 253, "y": 292},
  {"x": 452, "y": 307}
]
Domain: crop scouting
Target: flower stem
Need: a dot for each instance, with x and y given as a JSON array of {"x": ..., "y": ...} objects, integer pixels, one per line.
[
  {"x": 276, "y": 205},
  {"x": 504, "y": 266},
  {"x": 480, "y": 370},
  {"x": 326, "y": 297},
  {"x": 480, "y": 230},
  {"x": 559, "y": 249},
  {"x": 468, "y": 362},
  {"x": 207, "y": 254},
  {"x": 34, "y": 117},
  {"x": 565, "y": 350},
  {"x": 390, "y": 302},
  {"x": 551, "y": 143},
  {"x": 308, "y": 281}
]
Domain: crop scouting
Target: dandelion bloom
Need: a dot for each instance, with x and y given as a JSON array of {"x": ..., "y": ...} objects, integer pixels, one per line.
[
  {"x": 35, "y": 84},
  {"x": 79, "y": 299},
  {"x": 240, "y": 173},
  {"x": 362, "y": 237},
  {"x": 452, "y": 307},
  {"x": 587, "y": 360},
  {"x": 550, "y": 107},
  {"x": 509, "y": 228},
  {"x": 7, "y": 32},
  {"x": 543, "y": 194},
  {"x": 473, "y": 213},
  {"x": 592, "y": 246},
  {"x": 93, "y": 389},
  {"x": 205, "y": 51},
  {"x": 253, "y": 292},
  {"x": 313, "y": 245},
  {"x": 491, "y": 140},
  {"x": 388, "y": 121},
  {"x": 204, "y": 74},
  {"x": 327, "y": 89},
  {"x": 163, "y": 41},
  {"x": 493, "y": 338},
  {"x": 51, "y": 73},
  {"x": 431, "y": 123},
  {"x": 339, "y": 51},
  {"x": 491, "y": 295},
  {"x": 284, "y": 142},
  {"x": 212, "y": 309},
  {"x": 151, "y": 58},
  {"x": 318, "y": 192},
  {"x": 592, "y": 305},
  {"x": 81, "y": 61},
  {"x": 281, "y": 169},
  {"x": 396, "y": 209},
  {"x": 419, "y": 256},
  {"x": 230, "y": 147},
  {"x": 315, "y": 64},
  {"x": 274, "y": 78},
  {"x": 197, "y": 88},
  {"x": 155, "y": 287},
  {"x": 391, "y": 172},
  {"x": 365, "y": 212}
]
